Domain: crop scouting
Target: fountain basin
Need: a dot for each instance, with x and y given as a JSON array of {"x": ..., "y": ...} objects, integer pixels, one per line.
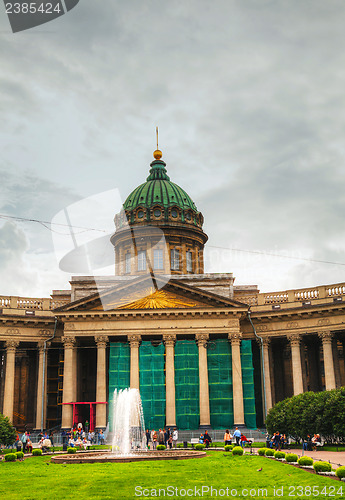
[{"x": 102, "y": 457}]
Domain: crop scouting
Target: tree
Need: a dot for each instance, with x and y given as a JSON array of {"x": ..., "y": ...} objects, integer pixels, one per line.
[
  {"x": 7, "y": 431},
  {"x": 310, "y": 413}
]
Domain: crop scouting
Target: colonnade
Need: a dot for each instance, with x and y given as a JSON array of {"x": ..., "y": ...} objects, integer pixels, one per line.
[
  {"x": 296, "y": 363},
  {"x": 204, "y": 400},
  {"x": 235, "y": 336}
]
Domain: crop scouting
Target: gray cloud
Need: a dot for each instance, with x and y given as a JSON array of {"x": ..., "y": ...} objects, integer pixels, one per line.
[{"x": 248, "y": 96}]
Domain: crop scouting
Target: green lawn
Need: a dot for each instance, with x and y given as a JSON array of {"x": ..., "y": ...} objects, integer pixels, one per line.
[{"x": 37, "y": 478}]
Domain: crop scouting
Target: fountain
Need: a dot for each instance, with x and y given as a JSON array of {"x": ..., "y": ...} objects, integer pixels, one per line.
[
  {"x": 129, "y": 439},
  {"x": 128, "y": 422}
]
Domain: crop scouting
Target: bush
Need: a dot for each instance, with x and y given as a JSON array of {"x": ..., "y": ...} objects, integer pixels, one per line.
[
  {"x": 237, "y": 450},
  {"x": 10, "y": 457},
  {"x": 340, "y": 472},
  {"x": 228, "y": 447},
  {"x": 180, "y": 445},
  {"x": 161, "y": 447},
  {"x": 305, "y": 461},
  {"x": 36, "y": 452},
  {"x": 322, "y": 467},
  {"x": 19, "y": 455},
  {"x": 262, "y": 451},
  {"x": 269, "y": 452},
  {"x": 199, "y": 446},
  {"x": 291, "y": 457},
  {"x": 279, "y": 454},
  {"x": 71, "y": 450}
]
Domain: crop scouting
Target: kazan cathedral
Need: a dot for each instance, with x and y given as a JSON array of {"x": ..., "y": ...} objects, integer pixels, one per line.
[{"x": 203, "y": 351}]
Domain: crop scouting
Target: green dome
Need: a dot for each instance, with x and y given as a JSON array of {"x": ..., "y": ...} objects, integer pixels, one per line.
[{"x": 158, "y": 190}]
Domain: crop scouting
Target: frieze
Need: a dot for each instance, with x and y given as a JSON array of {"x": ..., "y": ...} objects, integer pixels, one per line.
[
  {"x": 12, "y": 331},
  {"x": 324, "y": 322},
  {"x": 292, "y": 324},
  {"x": 45, "y": 333},
  {"x": 261, "y": 328}
]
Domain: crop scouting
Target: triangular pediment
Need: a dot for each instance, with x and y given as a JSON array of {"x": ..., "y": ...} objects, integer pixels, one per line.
[{"x": 147, "y": 293}]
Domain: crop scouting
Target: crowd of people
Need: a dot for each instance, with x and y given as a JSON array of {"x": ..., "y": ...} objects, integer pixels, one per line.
[
  {"x": 277, "y": 441},
  {"x": 168, "y": 437},
  {"x": 311, "y": 443},
  {"x": 240, "y": 438},
  {"x": 80, "y": 437}
]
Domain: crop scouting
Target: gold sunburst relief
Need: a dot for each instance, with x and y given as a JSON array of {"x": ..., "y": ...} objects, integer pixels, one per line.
[{"x": 158, "y": 299}]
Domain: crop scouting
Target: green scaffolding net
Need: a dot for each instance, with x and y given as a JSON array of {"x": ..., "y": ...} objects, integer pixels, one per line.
[
  {"x": 152, "y": 384},
  {"x": 248, "y": 384},
  {"x": 220, "y": 384},
  {"x": 119, "y": 371},
  {"x": 187, "y": 384}
]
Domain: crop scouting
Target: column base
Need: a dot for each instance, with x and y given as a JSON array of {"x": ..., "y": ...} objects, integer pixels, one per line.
[
  {"x": 206, "y": 427},
  {"x": 240, "y": 426}
]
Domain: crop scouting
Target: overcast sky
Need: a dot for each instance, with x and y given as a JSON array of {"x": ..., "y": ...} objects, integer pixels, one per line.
[{"x": 249, "y": 98}]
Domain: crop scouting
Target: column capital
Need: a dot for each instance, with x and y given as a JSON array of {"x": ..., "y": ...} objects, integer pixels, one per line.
[
  {"x": 70, "y": 342},
  {"x": 235, "y": 337},
  {"x": 326, "y": 336},
  {"x": 201, "y": 339},
  {"x": 294, "y": 339},
  {"x": 169, "y": 339},
  {"x": 11, "y": 345},
  {"x": 266, "y": 341},
  {"x": 101, "y": 341},
  {"x": 40, "y": 345},
  {"x": 134, "y": 340}
]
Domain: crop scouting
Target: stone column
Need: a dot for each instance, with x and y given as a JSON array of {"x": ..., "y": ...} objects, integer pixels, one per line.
[
  {"x": 297, "y": 378},
  {"x": 11, "y": 346},
  {"x": 68, "y": 394},
  {"x": 101, "y": 384},
  {"x": 326, "y": 338},
  {"x": 204, "y": 399},
  {"x": 41, "y": 355},
  {"x": 235, "y": 339},
  {"x": 134, "y": 342},
  {"x": 169, "y": 341},
  {"x": 266, "y": 361}
]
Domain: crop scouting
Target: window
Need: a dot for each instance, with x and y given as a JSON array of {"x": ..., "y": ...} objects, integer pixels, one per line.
[
  {"x": 140, "y": 214},
  {"x": 158, "y": 259},
  {"x": 175, "y": 259},
  {"x": 174, "y": 213},
  {"x": 189, "y": 261},
  {"x": 142, "y": 260},
  {"x": 128, "y": 262},
  {"x": 157, "y": 212}
]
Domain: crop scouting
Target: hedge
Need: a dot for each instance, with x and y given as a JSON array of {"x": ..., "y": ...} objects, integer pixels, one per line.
[
  {"x": 238, "y": 450},
  {"x": 199, "y": 446},
  {"x": 291, "y": 457},
  {"x": 10, "y": 457},
  {"x": 37, "y": 452},
  {"x": 279, "y": 454},
  {"x": 19, "y": 455},
  {"x": 71, "y": 450},
  {"x": 340, "y": 472},
  {"x": 322, "y": 467},
  {"x": 269, "y": 452},
  {"x": 262, "y": 451},
  {"x": 161, "y": 447},
  {"x": 305, "y": 461}
]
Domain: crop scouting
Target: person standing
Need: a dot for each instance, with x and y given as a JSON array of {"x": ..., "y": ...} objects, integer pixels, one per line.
[
  {"x": 237, "y": 436},
  {"x": 24, "y": 440},
  {"x": 175, "y": 437},
  {"x": 227, "y": 437},
  {"x": 207, "y": 439},
  {"x": 160, "y": 437},
  {"x": 148, "y": 438},
  {"x": 154, "y": 439}
]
